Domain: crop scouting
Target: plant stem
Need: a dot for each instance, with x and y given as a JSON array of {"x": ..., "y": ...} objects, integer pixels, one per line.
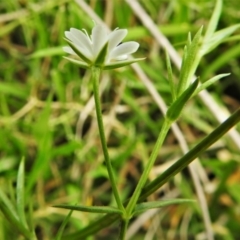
[
  {"x": 123, "y": 231},
  {"x": 133, "y": 200},
  {"x": 95, "y": 79}
]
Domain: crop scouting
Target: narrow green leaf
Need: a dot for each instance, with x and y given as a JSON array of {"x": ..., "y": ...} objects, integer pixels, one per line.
[
  {"x": 78, "y": 52},
  {"x": 78, "y": 62},
  {"x": 119, "y": 64},
  {"x": 217, "y": 38},
  {"x": 63, "y": 225},
  {"x": 170, "y": 77},
  {"x": 214, "y": 20},
  {"x": 7, "y": 203},
  {"x": 142, "y": 207},
  {"x": 92, "y": 209},
  {"x": 182, "y": 72},
  {"x": 16, "y": 224},
  {"x": 175, "y": 109},
  {"x": 47, "y": 52},
  {"x": 31, "y": 217},
  {"x": 189, "y": 41},
  {"x": 188, "y": 66},
  {"x": 21, "y": 193},
  {"x": 209, "y": 82}
]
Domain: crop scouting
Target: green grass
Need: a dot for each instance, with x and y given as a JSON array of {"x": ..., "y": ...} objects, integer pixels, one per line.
[{"x": 44, "y": 101}]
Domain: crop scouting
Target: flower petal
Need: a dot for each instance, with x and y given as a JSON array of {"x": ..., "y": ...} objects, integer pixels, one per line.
[
  {"x": 82, "y": 38},
  {"x": 99, "y": 38},
  {"x": 69, "y": 50},
  {"x": 125, "y": 48},
  {"x": 79, "y": 51},
  {"x": 79, "y": 44},
  {"x": 122, "y": 57},
  {"x": 116, "y": 37},
  {"x": 100, "y": 49}
]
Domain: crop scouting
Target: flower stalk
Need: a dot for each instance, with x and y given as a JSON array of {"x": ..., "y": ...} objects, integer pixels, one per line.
[
  {"x": 102, "y": 51},
  {"x": 95, "y": 80}
]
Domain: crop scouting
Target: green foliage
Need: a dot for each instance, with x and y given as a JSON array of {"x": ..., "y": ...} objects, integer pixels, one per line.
[
  {"x": 176, "y": 108},
  {"x": 92, "y": 209},
  {"x": 188, "y": 66}
]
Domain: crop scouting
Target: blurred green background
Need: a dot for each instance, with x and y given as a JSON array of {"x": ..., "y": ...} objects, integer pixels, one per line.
[{"x": 47, "y": 116}]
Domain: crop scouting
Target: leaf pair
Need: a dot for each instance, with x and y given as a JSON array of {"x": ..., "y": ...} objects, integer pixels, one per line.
[{"x": 141, "y": 207}]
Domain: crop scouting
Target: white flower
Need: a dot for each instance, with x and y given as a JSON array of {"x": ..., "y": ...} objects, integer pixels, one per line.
[{"x": 100, "y": 49}]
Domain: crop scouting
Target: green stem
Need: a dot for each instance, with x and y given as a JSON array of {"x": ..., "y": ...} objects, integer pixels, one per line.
[
  {"x": 123, "y": 231},
  {"x": 148, "y": 167},
  {"x": 95, "y": 80}
]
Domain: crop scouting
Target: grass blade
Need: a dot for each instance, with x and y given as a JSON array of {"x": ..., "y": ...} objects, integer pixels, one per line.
[
  {"x": 21, "y": 193},
  {"x": 63, "y": 225},
  {"x": 91, "y": 209}
]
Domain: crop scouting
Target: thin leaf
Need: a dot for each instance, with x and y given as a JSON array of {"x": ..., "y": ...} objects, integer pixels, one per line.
[
  {"x": 189, "y": 41},
  {"x": 142, "y": 207},
  {"x": 92, "y": 209},
  {"x": 21, "y": 193},
  {"x": 176, "y": 108},
  {"x": 7, "y": 203},
  {"x": 184, "y": 59},
  {"x": 214, "y": 20},
  {"x": 63, "y": 225},
  {"x": 31, "y": 217},
  {"x": 16, "y": 224},
  {"x": 217, "y": 38},
  {"x": 188, "y": 66},
  {"x": 121, "y": 63},
  {"x": 47, "y": 52},
  {"x": 78, "y": 62},
  {"x": 209, "y": 82},
  {"x": 170, "y": 77}
]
